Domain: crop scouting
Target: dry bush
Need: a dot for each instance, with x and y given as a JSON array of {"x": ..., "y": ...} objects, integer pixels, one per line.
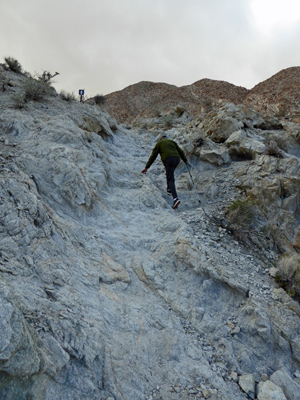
[
  {"x": 240, "y": 215},
  {"x": 168, "y": 121},
  {"x": 36, "y": 90},
  {"x": 46, "y": 77},
  {"x": 67, "y": 96},
  {"x": 288, "y": 275},
  {"x": 13, "y": 65},
  {"x": 99, "y": 99},
  {"x": 19, "y": 101}
]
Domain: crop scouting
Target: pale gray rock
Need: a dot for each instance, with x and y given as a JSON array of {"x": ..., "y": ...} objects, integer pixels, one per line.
[
  {"x": 290, "y": 388},
  {"x": 106, "y": 292},
  {"x": 216, "y": 156},
  {"x": 273, "y": 272},
  {"x": 245, "y": 143},
  {"x": 206, "y": 393},
  {"x": 268, "y": 390},
  {"x": 220, "y": 124},
  {"x": 247, "y": 383},
  {"x": 296, "y": 347},
  {"x": 20, "y": 354}
]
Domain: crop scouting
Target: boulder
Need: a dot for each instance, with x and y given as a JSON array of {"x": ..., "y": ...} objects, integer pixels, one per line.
[
  {"x": 268, "y": 390},
  {"x": 290, "y": 388},
  {"x": 216, "y": 156},
  {"x": 223, "y": 128},
  {"x": 245, "y": 144},
  {"x": 220, "y": 124},
  {"x": 179, "y": 109},
  {"x": 247, "y": 383}
]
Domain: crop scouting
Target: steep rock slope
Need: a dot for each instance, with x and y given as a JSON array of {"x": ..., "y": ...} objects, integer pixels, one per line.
[
  {"x": 106, "y": 292},
  {"x": 279, "y": 94}
]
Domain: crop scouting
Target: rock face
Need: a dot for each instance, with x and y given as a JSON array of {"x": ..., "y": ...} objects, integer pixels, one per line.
[
  {"x": 108, "y": 293},
  {"x": 277, "y": 94}
]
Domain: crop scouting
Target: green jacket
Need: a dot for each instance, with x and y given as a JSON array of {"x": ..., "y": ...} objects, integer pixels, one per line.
[{"x": 166, "y": 148}]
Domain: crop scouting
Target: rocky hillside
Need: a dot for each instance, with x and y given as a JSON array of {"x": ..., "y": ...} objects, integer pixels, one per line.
[
  {"x": 148, "y": 99},
  {"x": 107, "y": 293},
  {"x": 277, "y": 95}
]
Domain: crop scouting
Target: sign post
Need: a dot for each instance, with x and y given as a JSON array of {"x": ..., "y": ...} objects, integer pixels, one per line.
[{"x": 81, "y": 94}]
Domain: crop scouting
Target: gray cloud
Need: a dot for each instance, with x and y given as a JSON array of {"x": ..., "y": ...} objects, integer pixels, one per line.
[{"x": 103, "y": 46}]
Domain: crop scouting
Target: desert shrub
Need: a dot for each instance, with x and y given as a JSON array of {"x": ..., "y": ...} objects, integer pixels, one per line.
[
  {"x": 46, "y": 77},
  {"x": 13, "y": 65},
  {"x": 240, "y": 216},
  {"x": 27, "y": 74},
  {"x": 67, "y": 96},
  {"x": 36, "y": 90},
  {"x": 99, "y": 99},
  {"x": 208, "y": 105},
  {"x": 19, "y": 101},
  {"x": 168, "y": 121},
  {"x": 288, "y": 275},
  {"x": 272, "y": 149}
]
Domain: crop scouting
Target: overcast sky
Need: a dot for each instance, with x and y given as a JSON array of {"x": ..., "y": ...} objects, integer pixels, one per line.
[{"x": 105, "y": 45}]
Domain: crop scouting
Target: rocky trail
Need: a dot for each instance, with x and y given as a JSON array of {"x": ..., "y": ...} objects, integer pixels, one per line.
[{"x": 106, "y": 292}]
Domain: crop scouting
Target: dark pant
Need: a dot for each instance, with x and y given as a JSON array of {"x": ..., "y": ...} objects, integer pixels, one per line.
[{"x": 170, "y": 165}]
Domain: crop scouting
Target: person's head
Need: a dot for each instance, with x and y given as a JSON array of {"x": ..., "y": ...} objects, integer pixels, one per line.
[{"x": 162, "y": 137}]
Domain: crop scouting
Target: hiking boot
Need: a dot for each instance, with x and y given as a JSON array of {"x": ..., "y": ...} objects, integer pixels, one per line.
[
  {"x": 176, "y": 203},
  {"x": 169, "y": 192}
]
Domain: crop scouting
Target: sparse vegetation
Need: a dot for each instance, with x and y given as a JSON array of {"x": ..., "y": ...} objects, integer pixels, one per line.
[
  {"x": 288, "y": 275},
  {"x": 67, "y": 96},
  {"x": 99, "y": 99},
  {"x": 46, "y": 77},
  {"x": 36, "y": 90},
  {"x": 240, "y": 215},
  {"x": 208, "y": 105},
  {"x": 168, "y": 121},
  {"x": 13, "y": 65},
  {"x": 19, "y": 101}
]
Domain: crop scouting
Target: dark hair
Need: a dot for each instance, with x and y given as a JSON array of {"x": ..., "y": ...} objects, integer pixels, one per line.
[{"x": 163, "y": 137}]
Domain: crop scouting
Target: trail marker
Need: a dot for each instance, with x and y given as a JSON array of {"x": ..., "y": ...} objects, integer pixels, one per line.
[{"x": 81, "y": 94}]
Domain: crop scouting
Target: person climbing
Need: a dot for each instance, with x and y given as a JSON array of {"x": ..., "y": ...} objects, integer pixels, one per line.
[{"x": 170, "y": 154}]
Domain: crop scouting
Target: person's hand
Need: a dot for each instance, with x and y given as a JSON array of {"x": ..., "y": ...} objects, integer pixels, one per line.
[
  {"x": 188, "y": 165},
  {"x": 144, "y": 170}
]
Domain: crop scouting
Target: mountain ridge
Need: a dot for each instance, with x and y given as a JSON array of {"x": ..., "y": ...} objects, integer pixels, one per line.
[{"x": 146, "y": 99}]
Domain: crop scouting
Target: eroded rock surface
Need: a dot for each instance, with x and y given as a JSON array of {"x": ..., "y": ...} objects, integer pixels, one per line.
[{"x": 105, "y": 291}]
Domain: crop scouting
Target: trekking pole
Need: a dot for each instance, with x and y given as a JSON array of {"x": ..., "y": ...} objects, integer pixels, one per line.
[{"x": 193, "y": 182}]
